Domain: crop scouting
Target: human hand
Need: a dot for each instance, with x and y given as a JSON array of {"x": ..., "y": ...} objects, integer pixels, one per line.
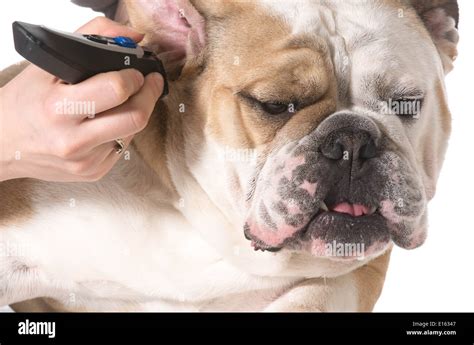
[{"x": 59, "y": 132}]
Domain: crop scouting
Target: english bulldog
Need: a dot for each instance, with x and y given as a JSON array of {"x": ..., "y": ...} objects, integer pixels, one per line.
[{"x": 300, "y": 141}]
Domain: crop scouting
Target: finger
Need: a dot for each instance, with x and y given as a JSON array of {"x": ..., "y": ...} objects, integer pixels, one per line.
[
  {"x": 126, "y": 120},
  {"x": 101, "y": 92},
  {"x": 108, "y": 163},
  {"x": 92, "y": 162},
  {"x": 103, "y": 151},
  {"x": 106, "y": 27}
]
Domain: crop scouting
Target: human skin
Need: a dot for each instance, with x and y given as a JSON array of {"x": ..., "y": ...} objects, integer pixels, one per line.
[{"x": 38, "y": 141}]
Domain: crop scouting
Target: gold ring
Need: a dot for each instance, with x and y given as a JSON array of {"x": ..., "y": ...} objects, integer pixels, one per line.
[{"x": 119, "y": 146}]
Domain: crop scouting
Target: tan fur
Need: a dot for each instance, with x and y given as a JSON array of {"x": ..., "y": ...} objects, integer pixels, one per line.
[
  {"x": 151, "y": 145},
  {"x": 42, "y": 305},
  {"x": 313, "y": 77},
  {"x": 293, "y": 67},
  {"x": 16, "y": 204},
  {"x": 370, "y": 280}
]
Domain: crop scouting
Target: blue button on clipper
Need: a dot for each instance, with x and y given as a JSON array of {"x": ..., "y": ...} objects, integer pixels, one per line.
[{"x": 126, "y": 42}]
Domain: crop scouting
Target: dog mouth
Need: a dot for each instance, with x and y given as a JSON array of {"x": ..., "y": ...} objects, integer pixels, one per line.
[
  {"x": 344, "y": 230},
  {"x": 340, "y": 230},
  {"x": 354, "y": 210}
]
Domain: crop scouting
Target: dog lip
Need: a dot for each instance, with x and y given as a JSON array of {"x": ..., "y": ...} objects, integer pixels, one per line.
[
  {"x": 344, "y": 228},
  {"x": 258, "y": 245},
  {"x": 303, "y": 235},
  {"x": 373, "y": 212}
]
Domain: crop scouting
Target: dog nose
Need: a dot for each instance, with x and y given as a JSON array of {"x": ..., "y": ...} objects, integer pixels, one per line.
[
  {"x": 348, "y": 136},
  {"x": 349, "y": 143}
]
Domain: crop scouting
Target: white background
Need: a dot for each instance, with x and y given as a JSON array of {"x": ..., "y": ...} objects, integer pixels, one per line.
[{"x": 439, "y": 275}]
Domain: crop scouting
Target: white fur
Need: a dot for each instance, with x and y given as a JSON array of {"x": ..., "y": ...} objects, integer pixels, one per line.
[
  {"x": 123, "y": 245},
  {"x": 116, "y": 246}
]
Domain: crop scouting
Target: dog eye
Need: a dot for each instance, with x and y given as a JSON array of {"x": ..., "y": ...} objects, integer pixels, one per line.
[
  {"x": 270, "y": 107},
  {"x": 275, "y": 108}
]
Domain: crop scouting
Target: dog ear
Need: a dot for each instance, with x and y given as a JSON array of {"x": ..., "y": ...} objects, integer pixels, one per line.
[
  {"x": 441, "y": 18},
  {"x": 174, "y": 30}
]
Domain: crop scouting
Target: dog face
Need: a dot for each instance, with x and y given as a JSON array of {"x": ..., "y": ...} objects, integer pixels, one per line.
[{"x": 314, "y": 122}]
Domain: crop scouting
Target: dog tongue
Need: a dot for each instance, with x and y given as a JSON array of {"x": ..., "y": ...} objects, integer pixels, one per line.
[{"x": 354, "y": 210}]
